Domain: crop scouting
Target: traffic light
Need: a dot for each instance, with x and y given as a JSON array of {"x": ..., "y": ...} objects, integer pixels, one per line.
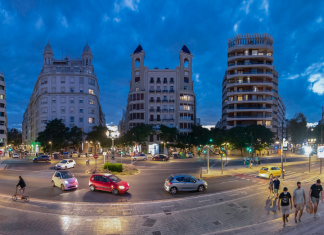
[
  {"x": 222, "y": 148},
  {"x": 198, "y": 149},
  {"x": 10, "y": 149},
  {"x": 121, "y": 152},
  {"x": 223, "y": 154},
  {"x": 205, "y": 151},
  {"x": 211, "y": 140}
]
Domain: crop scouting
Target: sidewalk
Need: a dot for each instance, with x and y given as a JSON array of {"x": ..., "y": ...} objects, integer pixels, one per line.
[{"x": 2, "y": 165}]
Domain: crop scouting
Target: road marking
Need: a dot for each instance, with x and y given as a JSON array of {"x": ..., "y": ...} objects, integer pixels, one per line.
[
  {"x": 215, "y": 162},
  {"x": 228, "y": 181},
  {"x": 205, "y": 200},
  {"x": 167, "y": 206}
]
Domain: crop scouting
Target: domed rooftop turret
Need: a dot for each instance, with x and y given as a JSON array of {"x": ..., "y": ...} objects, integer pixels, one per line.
[
  {"x": 86, "y": 48},
  {"x": 48, "y": 48}
]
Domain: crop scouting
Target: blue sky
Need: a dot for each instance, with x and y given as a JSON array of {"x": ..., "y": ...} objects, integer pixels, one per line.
[{"x": 115, "y": 28}]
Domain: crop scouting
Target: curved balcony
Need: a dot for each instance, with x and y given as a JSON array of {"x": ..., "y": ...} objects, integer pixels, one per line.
[
  {"x": 246, "y": 101},
  {"x": 232, "y": 49},
  {"x": 249, "y": 92},
  {"x": 246, "y": 118},
  {"x": 250, "y": 65},
  {"x": 251, "y": 83},
  {"x": 250, "y": 74},
  {"x": 248, "y": 109}
]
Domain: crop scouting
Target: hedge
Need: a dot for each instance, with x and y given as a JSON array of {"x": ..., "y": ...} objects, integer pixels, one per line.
[{"x": 117, "y": 167}]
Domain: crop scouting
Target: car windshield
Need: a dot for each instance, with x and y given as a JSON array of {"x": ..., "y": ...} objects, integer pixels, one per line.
[
  {"x": 66, "y": 175},
  {"x": 114, "y": 178},
  {"x": 63, "y": 161},
  {"x": 264, "y": 169}
]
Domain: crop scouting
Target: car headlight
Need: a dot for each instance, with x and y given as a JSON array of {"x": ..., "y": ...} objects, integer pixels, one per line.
[
  {"x": 121, "y": 187},
  {"x": 76, "y": 180},
  {"x": 66, "y": 182}
]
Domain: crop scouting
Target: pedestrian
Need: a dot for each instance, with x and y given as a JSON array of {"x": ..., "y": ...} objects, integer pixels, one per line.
[
  {"x": 256, "y": 161},
  {"x": 251, "y": 164},
  {"x": 314, "y": 193},
  {"x": 276, "y": 186},
  {"x": 244, "y": 160},
  {"x": 285, "y": 197},
  {"x": 299, "y": 199},
  {"x": 270, "y": 188},
  {"x": 259, "y": 162}
]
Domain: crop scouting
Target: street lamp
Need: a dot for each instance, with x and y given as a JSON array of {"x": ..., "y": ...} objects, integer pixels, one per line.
[
  {"x": 112, "y": 134},
  {"x": 51, "y": 147}
]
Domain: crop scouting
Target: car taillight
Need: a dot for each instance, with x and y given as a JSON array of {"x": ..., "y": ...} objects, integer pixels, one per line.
[{"x": 169, "y": 183}]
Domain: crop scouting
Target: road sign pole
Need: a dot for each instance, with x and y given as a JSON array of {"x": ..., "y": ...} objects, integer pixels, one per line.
[
  {"x": 207, "y": 160},
  {"x": 121, "y": 158},
  {"x": 321, "y": 166},
  {"x": 96, "y": 163}
]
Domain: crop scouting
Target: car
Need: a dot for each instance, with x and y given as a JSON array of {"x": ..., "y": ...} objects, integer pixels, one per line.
[
  {"x": 189, "y": 155},
  {"x": 127, "y": 154},
  {"x": 15, "y": 155},
  {"x": 74, "y": 154},
  {"x": 42, "y": 158},
  {"x": 160, "y": 157},
  {"x": 64, "y": 164},
  {"x": 82, "y": 155},
  {"x": 65, "y": 180},
  {"x": 140, "y": 156},
  {"x": 183, "y": 182},
  {"x": 109, "y": 183},
  {"x": 270, "y": 171}
]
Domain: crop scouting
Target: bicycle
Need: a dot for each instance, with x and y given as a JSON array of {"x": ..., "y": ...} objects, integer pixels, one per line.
[{"x": 14, "y": 197}]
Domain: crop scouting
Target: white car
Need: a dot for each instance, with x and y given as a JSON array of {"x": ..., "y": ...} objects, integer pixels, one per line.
[
  {"x": 141, "y": 156},
  {"x": 16, "y": 155},
  {"x": 189, "y": 155},
  {"x": 65, "y": 180},
  {"x": 65, "y": 164}
]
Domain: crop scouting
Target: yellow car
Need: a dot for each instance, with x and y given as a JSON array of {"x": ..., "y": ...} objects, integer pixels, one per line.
[{"x": 270, "y": 171}]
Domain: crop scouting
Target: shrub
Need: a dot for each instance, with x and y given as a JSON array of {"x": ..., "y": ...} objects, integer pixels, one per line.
[{"x": 117, "y": 167}]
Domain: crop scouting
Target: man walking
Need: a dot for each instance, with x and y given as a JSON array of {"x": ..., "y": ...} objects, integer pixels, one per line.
[
  {"x": 244, "y": 160},
  {"x": 276, "y": 184},
  {"x": 299, "y": 199},
  {"x": 314, "y": 193},
  {"x": 285, "y": 197}
]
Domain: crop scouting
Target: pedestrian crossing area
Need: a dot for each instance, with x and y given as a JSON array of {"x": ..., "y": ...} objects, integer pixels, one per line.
[{"x": 254, "y": 176}]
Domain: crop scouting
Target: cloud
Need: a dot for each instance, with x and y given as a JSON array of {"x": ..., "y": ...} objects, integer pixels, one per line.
[
  {"x": 163, "y": 18},
  {"x": 39, "y": 24},
  {"x": 292, "y": 76},
  {"x": 197, "y": 77},
  {"x": 116, "y": 19},
  {"x": 105, "y": 18},
  {"x": 63, "y": 21},
  {"x": 236, "y": 25},
  {"x": 246, "y": 6},
  {"x": 265, "y": 6},
  {"x": 130, "y": 4},
  {"x": 319, "y": 20},
  {"x": 317, "y": 83}
]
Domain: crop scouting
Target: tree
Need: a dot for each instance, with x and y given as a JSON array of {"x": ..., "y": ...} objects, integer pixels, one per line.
[
  {"x": 219, "y": 136},
  {"x": 14, "y": 137},
  {"x": 200, "y": 136},
  {"x": 75, "y": 136},
  {"x": 140, "y": 133},
  {"x": 168, "y": 134},
  {"x": 297, "y": 127},
  {"x": 262, "y": 136},
  {"x": 98, "y": 133},
  {"x": 239, "y": 138},
  {"x": 57, "y": 133}
]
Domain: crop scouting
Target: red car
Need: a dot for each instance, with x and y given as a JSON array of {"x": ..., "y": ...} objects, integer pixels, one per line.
[
  {"x": 108, "y": 182},
  {"x": 160, "y": 157}
]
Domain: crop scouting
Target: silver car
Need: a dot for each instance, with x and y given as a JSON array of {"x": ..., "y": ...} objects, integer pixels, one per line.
[{"x": 183, "y": 182}]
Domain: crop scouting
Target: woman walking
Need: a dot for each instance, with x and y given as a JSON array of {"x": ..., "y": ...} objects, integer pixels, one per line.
[{"x": 270, "y": 188}]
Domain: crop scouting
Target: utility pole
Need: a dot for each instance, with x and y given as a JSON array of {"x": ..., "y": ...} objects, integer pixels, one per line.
[
  {"x": 282, "y": 174},
  {"x": 222, "y": 162},
  {"x": 208, "y": 160}
]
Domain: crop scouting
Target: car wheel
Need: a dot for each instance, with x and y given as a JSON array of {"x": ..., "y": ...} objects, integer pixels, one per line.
[
  {"x": 65, "y": 167},
  {"x": 115, "y": 191},
  {"x": 53, "y": 184},
  {"x": 145, "y": 159},
  {"x": 271, "y": 176},
  {"x": 62, "y": 187},
  {"x": 92, "y": 188},
  {"x": 134, "y": 159},
  {"x": 173, "y": 190},
  {"x": 73, "y": 165},
  {"x": 47, "y": 160},
  {"x": 201, "y": 188}
]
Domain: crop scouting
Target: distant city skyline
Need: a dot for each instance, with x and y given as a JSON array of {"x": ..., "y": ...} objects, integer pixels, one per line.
[{"x": 116, "y": 28}]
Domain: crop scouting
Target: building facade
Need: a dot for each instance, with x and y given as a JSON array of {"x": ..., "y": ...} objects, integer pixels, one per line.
[
  {"x": 250, "y": 85},
  {"x": 3, "y": 114},
  {"x": 160, "y": 96},
  {"x": 66, "y": 89}
]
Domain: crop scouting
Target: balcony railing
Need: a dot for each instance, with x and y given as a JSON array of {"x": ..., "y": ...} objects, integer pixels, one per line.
[
  {"x": 255, "y": 116},
  {"x": 152, "y": 81},
  {"x": 166, "y": 120},
  {"x": 165, "y": 110},
  {"x": 171, "y": 91},
  {"x": 248, "y": 54},
  {"x": 249, "y": 108},
  {"x": 260, "y": 99},
  {"x": 151, "y": 100},
  {"x": 250, "y": 72},
  {"x": 171, "y": 110},
  {"x": 158, "y": 90},
  {"x": 250, "y": 63},
  {"x": 171, "y": 100},
  {"x": 165, "y": 91},
  {"x": 158, "y": 81},
  {"x": 158, "y": 100},
  {"x": 158, "y": 110},
  {"x": 165, "y": 81},
  {"x": 152, "y": 90},
  {"x": 152, "y": 110},
  {"x": 165, "y": 101},
  {"x": 245, "y": 82}
]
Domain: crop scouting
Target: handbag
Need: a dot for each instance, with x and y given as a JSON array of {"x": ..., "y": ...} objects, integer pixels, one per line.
[{"x": 309, "y": 208}]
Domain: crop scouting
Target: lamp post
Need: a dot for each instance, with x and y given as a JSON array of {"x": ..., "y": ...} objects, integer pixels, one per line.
[
  {"x": 51, "y": 147},
  {"x": 282, "y": 170},
  {"x": 112, "y": 134}
]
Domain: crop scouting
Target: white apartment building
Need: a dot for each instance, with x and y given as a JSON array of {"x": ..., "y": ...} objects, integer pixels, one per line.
[
  {"x": 66, "y": 89},
  {"x": 250, "y": 85},
  {"x": 160, "y": 96},
  {"x": 3, "y": 114}
]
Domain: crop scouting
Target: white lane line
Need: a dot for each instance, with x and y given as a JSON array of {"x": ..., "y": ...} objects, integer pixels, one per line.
[
  {"x": 126, "y": 210},
  {"x": 205, "y": 200},
  {"x": 234, "y": 194},
  {"x": 214, "y": 163},
  {"x": 228, "y": 181},
  {"x": 167, "y": 206}
]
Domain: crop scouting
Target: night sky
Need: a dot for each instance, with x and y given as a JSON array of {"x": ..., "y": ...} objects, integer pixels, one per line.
[{"x": 113, "y": 30}]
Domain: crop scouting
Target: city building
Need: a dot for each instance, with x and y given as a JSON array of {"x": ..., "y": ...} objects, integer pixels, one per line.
[
  {"x": 3, "y": 114},
  {"x": 65, "y": 89},
  {"x": 160, "y": 96},
  {"x": 250, "y": 85}
]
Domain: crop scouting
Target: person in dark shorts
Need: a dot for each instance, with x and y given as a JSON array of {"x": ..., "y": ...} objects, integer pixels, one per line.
[
  {"x": 285, "y": 198},
  {"x": 314, "y": 193},
  {"x": 276, "y": 186}
]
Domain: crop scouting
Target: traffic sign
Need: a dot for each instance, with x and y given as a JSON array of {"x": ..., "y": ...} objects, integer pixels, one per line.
[
  {"x": 132, "y": 154},
  {"x": 95, "y": 156},
  {"x": 0, "y": 152},
  {"x": 104, "y": 153}
]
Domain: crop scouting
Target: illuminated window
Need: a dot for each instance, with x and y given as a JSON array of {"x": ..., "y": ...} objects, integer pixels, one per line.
[
  {"x": 91, "y": 101},
  {"x": 91, "y": 120},
  {"x": 91, "y": 91},
  {"x": 268, "y": 123}
]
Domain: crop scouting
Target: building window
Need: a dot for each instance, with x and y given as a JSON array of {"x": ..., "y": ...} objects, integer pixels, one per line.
[
  {"x": 54, "y": 101},
  {"x": 91, "y": 91},
  {"x": 62, "y": 109},
  {"x": 62, "y": 89},
  {"x": 142, "y": 96},
  {"x": 91, "y": 110},
  {"x": 72, "y": 101},
  {"x": 152, "y": 80},
  {"x": 81, "y": 89},
  {"x": 186, "y": 80},
  {"x": 92, "y": 82},
  {"x": 58, "y": 69},
  {"x": 80, "y": 110},
  {"x": 91, "y": 120},
  {"x": 72, "y": 89},
  {"x": 91, "y": 101},
  {"x": 71, "y": 109},
  {"x": 81, "y": 100},
  {"x": 71, "y": 78},
  {"x": 1, "y": 97},
  {"x": 71, "y": 119},
  {"x": 81, "y": 79},
  {"x": 62, "y": 80},
  {"x": 268, "y": 123},
  {"x": 137, "y": 79},
  {"x": 54, "y": 89},
  {"x": 80, "y": 119}
]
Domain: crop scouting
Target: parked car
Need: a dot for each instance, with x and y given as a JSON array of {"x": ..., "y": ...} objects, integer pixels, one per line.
[
  {"x": 109, "y": 183},
  {"x": 15, "y": 155},
  {"x": 39, "y": 154},
  {"x": 183, "y": 182},
  {"x": 270, "y": 171},
  {"x": 65, "y": 180},
  {"x": 64, "y": 164},
  {"x": 189, "y": 155},
  {"x": 127, "y": 154},
  {"x": 42, "y": 158},
  {"x": 140, "y": 156},
  {"x": 74, "y": 154},
  {"x": 160, "y": 157},
  {"x": 82, "y": 155}
]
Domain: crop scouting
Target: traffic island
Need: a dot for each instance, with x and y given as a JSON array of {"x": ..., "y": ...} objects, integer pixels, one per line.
[{"x": 114, "y": 168}]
